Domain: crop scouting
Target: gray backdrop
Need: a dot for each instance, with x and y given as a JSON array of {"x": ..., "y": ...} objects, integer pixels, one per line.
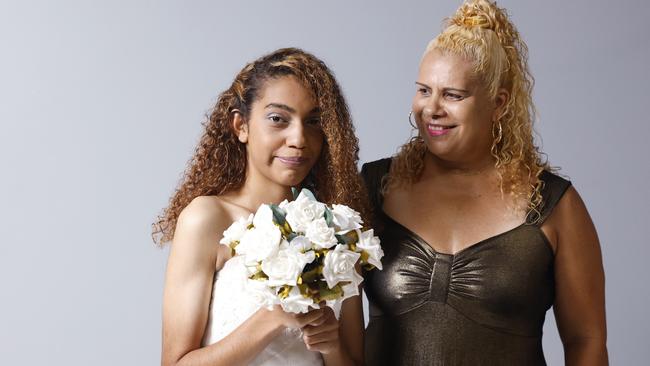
[{"x": 101, "y": 105}]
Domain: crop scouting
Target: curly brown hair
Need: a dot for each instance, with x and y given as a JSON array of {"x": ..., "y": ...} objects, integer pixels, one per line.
[
  {"x": 219, "y": 162},
  {"x": 482, "y": 32}
]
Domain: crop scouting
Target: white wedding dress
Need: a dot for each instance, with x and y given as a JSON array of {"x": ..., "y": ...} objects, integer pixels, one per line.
[{"x": 231, "y": 305}]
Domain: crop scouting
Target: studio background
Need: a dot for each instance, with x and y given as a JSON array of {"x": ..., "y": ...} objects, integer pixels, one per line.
[{"x": 101, "y": 105}]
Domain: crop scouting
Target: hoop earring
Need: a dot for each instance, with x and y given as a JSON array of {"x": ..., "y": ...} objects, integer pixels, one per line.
[
  {"x": 411, "y": 122},
  {"x": 498, "y": 135}
]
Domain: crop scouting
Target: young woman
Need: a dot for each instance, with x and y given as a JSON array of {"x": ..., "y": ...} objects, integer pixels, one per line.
[
  {"x": 282, "y": 123},
  {"x": 480, "y": 237}
]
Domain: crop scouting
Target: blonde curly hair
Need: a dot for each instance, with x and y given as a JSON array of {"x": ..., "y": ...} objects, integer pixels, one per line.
[
  {"x": 219, "y": 162},
  {"x": 482, "y": 32}
]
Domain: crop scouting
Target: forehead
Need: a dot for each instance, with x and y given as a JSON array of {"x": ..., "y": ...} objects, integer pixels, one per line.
[
  {"x": 286, "y": 90},
  {"x": 446, "y": 69}
]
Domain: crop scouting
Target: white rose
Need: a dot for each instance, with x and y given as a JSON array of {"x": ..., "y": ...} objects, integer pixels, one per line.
[
  {"x": 296, "y": 302},
  {"x": 236, "y": 230},
  {"x": 371, "y": 245},
  {"x": 302, "y": 243},
  {"x": 302, "y": 211},
  {"x": 263, "y": 217},
  {"x": 261, "y": 293},
  {"x": 285, "y": 266},
  {"x": 259, "y": 243},
  {"x": 345, "y": 218},
  {"x": 338, "y": 266},
  {"x": 320, "y": 234}
]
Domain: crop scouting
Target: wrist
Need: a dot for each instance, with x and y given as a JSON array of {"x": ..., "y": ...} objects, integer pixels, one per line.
[{"x": 272, "y": 324}]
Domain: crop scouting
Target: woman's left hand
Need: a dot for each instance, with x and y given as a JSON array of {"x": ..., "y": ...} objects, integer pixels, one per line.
[{"x": 322, "y": 335}]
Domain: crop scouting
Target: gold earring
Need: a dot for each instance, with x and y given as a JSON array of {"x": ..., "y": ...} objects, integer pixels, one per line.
[{"x": 498, "y": 135}]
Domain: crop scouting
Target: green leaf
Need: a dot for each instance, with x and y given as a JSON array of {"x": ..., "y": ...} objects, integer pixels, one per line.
[
  {"x": 348, "y": 238},
  {"x": 278, "y": 214},
  {"x": 312, "y": 275},
  {"x": 294, "y": 192},
  {"x": 259, "y": 276},
  {"x": 327, "y": 293},
  {"x": 329, "y": 217}
]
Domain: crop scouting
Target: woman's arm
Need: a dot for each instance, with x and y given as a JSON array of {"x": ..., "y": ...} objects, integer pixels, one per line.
[
  {"x": 186, "y": 300},
  {"x": 580, "y": 283},
  {"x": 339, "y": 341}
]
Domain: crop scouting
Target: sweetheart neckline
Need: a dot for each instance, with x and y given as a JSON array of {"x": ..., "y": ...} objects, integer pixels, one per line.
[{"x": 426, "y": 244}]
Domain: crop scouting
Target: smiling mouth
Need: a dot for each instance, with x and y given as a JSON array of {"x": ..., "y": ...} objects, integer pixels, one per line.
[{"x": 438, "y": 130}]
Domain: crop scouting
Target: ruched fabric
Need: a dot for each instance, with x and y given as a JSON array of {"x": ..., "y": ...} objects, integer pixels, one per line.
[{"x": 484, "y": 305}]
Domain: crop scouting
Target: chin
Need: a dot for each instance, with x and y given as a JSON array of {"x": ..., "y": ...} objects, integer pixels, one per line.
[
  {"x": 291, "y": 179},
  {"x": 440, "y": 150}
]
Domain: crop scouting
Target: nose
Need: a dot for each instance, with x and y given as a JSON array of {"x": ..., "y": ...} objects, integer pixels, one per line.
[
  {"x": 433, "y": 108},
  {"x": 296, "y": 135}
]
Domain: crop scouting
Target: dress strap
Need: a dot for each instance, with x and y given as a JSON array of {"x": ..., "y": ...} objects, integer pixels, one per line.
[
  {"x": 553, "y": 189},
  {"x": 373, "y": 174}
]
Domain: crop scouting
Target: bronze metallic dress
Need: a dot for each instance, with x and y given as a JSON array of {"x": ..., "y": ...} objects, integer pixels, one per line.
[{"x": 484, "y": 305}]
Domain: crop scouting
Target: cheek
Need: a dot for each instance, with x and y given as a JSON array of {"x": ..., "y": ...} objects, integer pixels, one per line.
[
  {"x": 417, "y": 104},
  {"x": 468, "y": 114},
  {"x": 262, "y": 142}
]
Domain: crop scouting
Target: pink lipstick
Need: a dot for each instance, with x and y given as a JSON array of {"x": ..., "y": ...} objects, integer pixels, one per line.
[{"x": 438, "y": 130}]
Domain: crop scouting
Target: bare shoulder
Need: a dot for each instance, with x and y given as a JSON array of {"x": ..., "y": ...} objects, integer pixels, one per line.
[
  {"x": 200, "y": 226},
  {"x": 203, "y": 214}
]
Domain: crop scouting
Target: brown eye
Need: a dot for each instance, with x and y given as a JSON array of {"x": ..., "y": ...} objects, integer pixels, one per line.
[{"x": 276, "y": 118}]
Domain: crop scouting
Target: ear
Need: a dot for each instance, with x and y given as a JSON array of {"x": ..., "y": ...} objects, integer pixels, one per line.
[
  {"x": 500, "y": 102},
  {"x": 239, "y": 126}
]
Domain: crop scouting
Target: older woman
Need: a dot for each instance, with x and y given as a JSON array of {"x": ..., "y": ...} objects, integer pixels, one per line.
[{"x": 481, "y": 238}]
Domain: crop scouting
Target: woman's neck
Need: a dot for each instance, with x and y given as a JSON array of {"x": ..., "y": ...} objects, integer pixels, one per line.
[
  {"x": 435, "y": 166},
  {"x": 254, "y": 193}
]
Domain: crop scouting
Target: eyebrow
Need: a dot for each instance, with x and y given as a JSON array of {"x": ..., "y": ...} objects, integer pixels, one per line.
[
  {"x": 281, "y": 106},
  {"x": 285, "y": 107},
  {"x": 446, "y": 89}
]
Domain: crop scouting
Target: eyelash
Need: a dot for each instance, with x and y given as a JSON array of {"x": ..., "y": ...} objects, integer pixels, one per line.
[
  {"x": 454, "y": 96},
  {"x": 277, "y": 119}
]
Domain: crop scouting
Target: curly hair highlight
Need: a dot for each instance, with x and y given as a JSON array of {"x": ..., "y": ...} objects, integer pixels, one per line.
[
  {"x": 219, "y": 161},
  {"x": 482, "y": 32}
]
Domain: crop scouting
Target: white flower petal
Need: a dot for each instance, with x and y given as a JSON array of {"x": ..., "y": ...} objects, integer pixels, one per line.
[
  {"x": 345, "y": 218},
  {"x": 296, "y": 302},
  {"x": 338, "y": 266},
  {"x": 371, "y": 245},
  {"x": 320, "y": 234}
]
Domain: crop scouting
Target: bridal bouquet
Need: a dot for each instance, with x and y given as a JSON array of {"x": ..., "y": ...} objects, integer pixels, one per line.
[{"x": 301, "y": 253}]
